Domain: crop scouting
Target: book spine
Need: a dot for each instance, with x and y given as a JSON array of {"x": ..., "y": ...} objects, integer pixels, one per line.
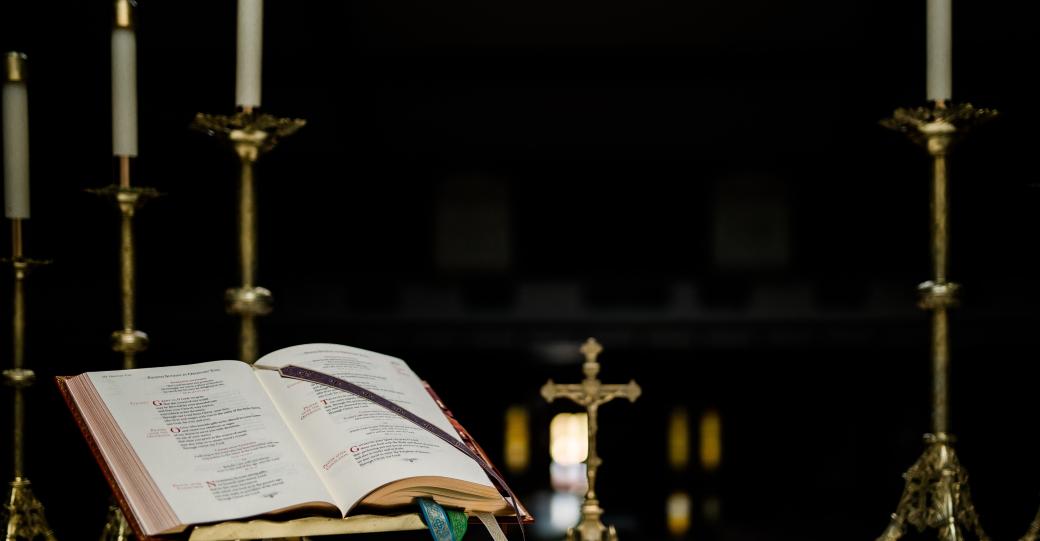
[{"x": 476, "y": 448}]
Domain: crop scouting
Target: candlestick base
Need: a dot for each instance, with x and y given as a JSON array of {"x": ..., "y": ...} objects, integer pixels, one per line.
[
  {"x": 116, "y": 526},
  {"x": 936, "y": 496},
  {"x": 1033, "y": 533},
  {"x": 23, "y": 514}
]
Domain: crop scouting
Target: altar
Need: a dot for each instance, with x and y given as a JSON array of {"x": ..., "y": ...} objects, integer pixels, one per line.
[{"x": 805, "y": 230}]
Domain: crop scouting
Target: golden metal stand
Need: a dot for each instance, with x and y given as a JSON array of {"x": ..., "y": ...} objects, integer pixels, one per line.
[
  {"x": 591, "y": 394},
  {"x": 22, "y": 513},
  {"x": 128, "y": 340},
  {"x": 250, "y": 134},
  {"x": 1033, "y": 533},
  {"x": 116, "y": 527},
  {"x": 936, "y": 495}
]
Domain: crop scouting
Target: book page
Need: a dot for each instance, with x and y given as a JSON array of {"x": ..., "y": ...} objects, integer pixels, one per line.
[
  {"x": 211, "y": 440},
  {"x": 356, "y": 445}
]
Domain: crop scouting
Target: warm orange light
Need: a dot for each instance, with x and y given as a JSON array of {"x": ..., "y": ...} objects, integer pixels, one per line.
[
  {"x": 679, "y": 439},
  {"x": 711, "y": 440},
  {"x": 678, "y": 513},
  {"x": 518, "y": 439}
]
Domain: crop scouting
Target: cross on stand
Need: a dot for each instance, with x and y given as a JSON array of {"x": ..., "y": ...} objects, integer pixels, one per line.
[{"x": 591, "y": 393}]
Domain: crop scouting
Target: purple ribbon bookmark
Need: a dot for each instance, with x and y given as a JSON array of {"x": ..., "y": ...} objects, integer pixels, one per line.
[{"x": 313, "y": 376}]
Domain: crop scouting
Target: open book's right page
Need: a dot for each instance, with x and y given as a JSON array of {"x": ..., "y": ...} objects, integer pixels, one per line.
[{"x": 355, "y": 445}]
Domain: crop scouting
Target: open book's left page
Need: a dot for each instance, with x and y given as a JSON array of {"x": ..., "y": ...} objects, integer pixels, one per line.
[{"x": 207, "y": 437}]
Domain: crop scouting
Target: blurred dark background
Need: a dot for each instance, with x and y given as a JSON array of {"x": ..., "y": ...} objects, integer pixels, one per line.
[{"x": 703, "y": 186}]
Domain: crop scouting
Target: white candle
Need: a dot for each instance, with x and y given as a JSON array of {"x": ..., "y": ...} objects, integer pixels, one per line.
[
  {"x": 124, "y": 92},
  {"x": 250, "y": 49},
  {"x": 16, "y": 139},
  {"x": 940, "y": 50}
]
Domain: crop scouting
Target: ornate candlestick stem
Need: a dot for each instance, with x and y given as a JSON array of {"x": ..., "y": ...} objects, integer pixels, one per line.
[
  {"x": 937, "y": 495},
  {"x": 939, "y": 294},
  {"x": 240, "y": 299},
  {"x": 250, "y": 134},
  {"x": 591, "y": 393},
  {"x": 129, "y": 340},
  {"x": 18, "y": 319},
  {"x": 127, "y": 284},
  {"x": 18, "y": 341},
  {"x": 22, "y": 513}
]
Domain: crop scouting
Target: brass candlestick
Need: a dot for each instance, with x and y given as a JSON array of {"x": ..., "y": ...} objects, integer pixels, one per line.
[
  {"x": 591, "y": 394},
  {"x": 22, "y": 514},
  {"x": 936, "y": 495},
  {"x": 250, "y": 134},
  {"x": 128, "y": 340}
]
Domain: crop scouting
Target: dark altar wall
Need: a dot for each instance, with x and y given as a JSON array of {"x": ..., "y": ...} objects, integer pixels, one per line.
[{"x": 703, "y": 186}]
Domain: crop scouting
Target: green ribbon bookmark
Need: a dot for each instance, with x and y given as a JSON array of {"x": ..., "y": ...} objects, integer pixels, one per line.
[
  {"x": 445, "y": 525},
  {"x": 459, "y": 522}
]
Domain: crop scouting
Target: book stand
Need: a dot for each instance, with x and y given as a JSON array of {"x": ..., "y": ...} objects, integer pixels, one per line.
[{"x": 307, "y": 526}]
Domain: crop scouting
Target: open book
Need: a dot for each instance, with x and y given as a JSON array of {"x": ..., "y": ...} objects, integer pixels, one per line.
[{"x": 223, "y": 440}]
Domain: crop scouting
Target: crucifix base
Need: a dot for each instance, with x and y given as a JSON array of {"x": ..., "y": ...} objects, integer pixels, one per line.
[
  {"x": 936, "y": 496},
  {"x": 591, "y": 528}
]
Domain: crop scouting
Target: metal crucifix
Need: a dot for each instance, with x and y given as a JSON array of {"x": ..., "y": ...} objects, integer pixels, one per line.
[{"x": 591, "y": 393}]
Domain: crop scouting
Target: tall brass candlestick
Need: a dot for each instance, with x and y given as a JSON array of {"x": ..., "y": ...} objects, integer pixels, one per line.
[
  {"x": 23, "y": 514},
  {"x": 936, "y": 495},
  {"x": 250, "y": 134},
  {"x": 129, "y": 341}
]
